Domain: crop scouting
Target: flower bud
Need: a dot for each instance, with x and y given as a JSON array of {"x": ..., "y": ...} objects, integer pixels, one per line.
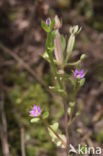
[
  {"x": 83, "y": 56},
  {"x": 70, "y": 45},
  {"x": 75, "y": 29},
  {"x": 48, "y": 21},
  {"x": 58, "y": 23}
]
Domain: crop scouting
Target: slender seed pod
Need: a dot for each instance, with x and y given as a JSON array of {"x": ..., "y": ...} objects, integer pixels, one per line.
[
  {"x": 70, "y": 46},
  {"x": 71, "y": 41},
  {"x": 58, "y": 49},
  {"x": 58, "y": 23}
]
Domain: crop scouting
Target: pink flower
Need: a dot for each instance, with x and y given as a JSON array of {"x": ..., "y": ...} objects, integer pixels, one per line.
[
  {"x": 79, "y": 74},
  {"x": 36, "y": 111}
]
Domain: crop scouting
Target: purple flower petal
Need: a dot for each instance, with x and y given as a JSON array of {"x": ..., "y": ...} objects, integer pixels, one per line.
[
  {"x": 79, "y": 74},
  {"x": 75, "y": 72},
  {"x": 39, "y": 110},
  {"x": 36, "y": 111},
  {"x": 32, "y": 113},
  {"x": 48, "y": 20},
  {"x": 34, "y": 107}
]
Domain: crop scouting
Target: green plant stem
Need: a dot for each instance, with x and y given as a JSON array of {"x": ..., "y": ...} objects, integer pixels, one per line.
[
  {"x": 55, "y": 71},
  {"x": 51, "y": 60},
  {"x": 65, "y": 103},
  {"x": 73, "y": 63},
  {"x": 66, "y": 128},
  {"x": 74, "y": 99}
]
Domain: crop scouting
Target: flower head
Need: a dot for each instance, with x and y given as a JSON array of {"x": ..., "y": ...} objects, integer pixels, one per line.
[
  {"x": 79, "y": 74},
  {"x": 48, "y": 21},
  {"x": 36, "y": 111}
]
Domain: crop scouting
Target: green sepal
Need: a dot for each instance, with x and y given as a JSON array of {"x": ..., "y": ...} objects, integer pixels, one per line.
[
  {"x": 52, "y": 24},
  {"x": 45, "y": 115},
  {"x": 81, "y": 82},
  {"x": 45, "y": 27},
  {"x": 46, "y": 56}
]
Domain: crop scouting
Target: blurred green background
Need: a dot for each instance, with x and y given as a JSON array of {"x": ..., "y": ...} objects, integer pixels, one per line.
[{"x": 23, "y": 72}]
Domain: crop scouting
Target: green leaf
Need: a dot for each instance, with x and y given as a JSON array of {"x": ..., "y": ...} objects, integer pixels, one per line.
[
  {"x": 34, "y": 120},
  {"x": 45, "y": 115},
  {"x": 46, "y": 56},
  {"x": 81, "y": 82},
  {"x": 63, "y": 137},
  {"x": 53, "y": 136},
  {"x": 54, "y": 33},
  {"x": 55, "y": 126},
  {"x": 51, "y": 48},
  {"x": 52, "y": 24},
  {"x": 45, "y": 27},
  {"x": 49, "y": 41}
]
